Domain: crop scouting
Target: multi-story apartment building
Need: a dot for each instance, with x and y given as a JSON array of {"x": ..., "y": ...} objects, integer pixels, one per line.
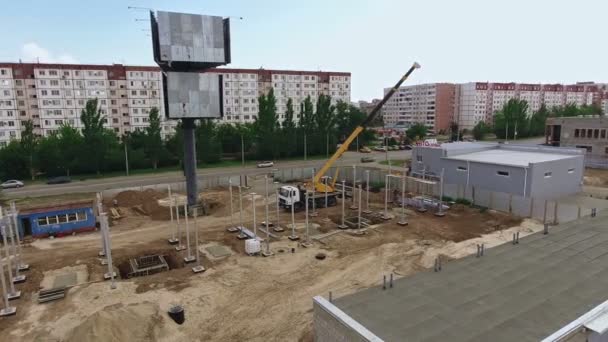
[
  {"x": 54, "y": 94},
  {"x": 438, "y": 104},
  {"x": 243, "y": 86},
  {"x": 430, "y": 104},
  {"x": 479, "y": 101}
]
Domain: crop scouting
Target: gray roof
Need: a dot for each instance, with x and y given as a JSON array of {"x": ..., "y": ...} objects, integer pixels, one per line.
[
  {"x": 521, "y": 292},
  {"x": 510, "y": 157}
]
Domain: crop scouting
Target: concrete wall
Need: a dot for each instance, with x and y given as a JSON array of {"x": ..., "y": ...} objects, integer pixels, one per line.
[
  {"x": 330, "y": 324},
  {"x": 560, "y": 182},
  {"x": 568, "y": 135},
  {"x": 427, "y": 159},
  {"x": 485, "y": 176}
]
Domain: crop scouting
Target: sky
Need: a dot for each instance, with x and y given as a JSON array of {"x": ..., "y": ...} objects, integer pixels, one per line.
[{"x": 546, "y": 41}]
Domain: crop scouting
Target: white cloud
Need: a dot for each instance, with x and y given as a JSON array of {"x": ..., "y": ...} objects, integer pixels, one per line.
[{"x": 32, "y": 52}]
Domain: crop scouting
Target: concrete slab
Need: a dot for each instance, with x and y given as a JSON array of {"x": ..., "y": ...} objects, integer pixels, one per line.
[
  {"x": 217, "y": 251},
  {"x": 65, "y": 280}
]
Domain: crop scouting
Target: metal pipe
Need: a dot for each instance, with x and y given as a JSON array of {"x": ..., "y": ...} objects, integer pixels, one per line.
[
  {"x": 20, "y": 265},
  {"x": 179, "y": 246},
  {"x": 195, "y": 214},
  {"x": 106, "y": 234},
  {"x": 277, "y": 225},
  {"x": 359, "y": 209},
  {"x": 171, "y": 213},
  {"x": 386, "y": 180},
  {"x": 189, "y": 252},
  {"x": 255, "y": 226},
  {"x": 343, "y": 201},
  {"x": 266, "y": 222},
  {"x": 326, "y": 204},
  {"x": 293, "y": 217},
  {"x": 306, "y": 217},
  {"x": 231, "y": 205},
  {"x": 314, "y": 205},
  {"x": 8, "y": 259},
  {"x": 241, "y": 209},
  {"x": 4, "y": 290},
  {"x": 367, "y": 190}
]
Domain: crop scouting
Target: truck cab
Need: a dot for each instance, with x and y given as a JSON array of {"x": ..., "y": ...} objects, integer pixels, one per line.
[{"x": 288, "y": 196}]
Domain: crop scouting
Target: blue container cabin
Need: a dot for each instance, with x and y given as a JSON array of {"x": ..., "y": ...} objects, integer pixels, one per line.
[{"x": 56, "y": 220}]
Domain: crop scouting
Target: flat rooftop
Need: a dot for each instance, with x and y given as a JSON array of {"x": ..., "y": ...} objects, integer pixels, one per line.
[
  {"x": 521, "y": 292},
  {"x": 510, "y": 157}
]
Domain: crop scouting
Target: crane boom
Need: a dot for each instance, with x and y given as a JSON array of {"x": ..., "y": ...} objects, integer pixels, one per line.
[{"x": 344, "y": 147}]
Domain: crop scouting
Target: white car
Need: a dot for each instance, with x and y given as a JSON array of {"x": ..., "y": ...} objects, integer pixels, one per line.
[
  {"x": 266, "y": 164},
  {"x": 13, "y": 183}
]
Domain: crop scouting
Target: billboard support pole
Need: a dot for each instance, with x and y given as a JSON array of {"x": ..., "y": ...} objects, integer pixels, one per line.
[{"x": 190, "y": 160}]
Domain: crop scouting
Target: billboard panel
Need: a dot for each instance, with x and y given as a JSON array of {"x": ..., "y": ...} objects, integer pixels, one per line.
[
  {"x": 193, "y": 95},
  {"x": 190, "y": 41}
]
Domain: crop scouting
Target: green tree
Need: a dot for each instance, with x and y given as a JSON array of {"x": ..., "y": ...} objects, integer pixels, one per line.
[
  {"x": 348, "y": 117},
  {"x": 154, "y": 141},
  {"x": 48, "y": 156},
  {"x": 13, "y": 163},
  {"x": 93, "y": 134},
  {"x": 71, "y": 148},
  {"x": 266, "y": 126},
  {"x": 537, "y": 121},
  {"x": 417, "y": 131},
  {"x": 325, "y": 120},
  {"x": 288, "y": 132},
  {"x": 480, "y": 130},
  {"x": 208, "y": 146},
  {"x": 454, "y": 134},
  {"x": 512, "y": 120},
  {"x": 28, "y": 144}
]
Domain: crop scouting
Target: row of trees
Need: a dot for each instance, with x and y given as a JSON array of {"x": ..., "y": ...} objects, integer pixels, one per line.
[
  {"x": 94, "y": 149},
  {"x": 513, "y": 121},
  {"x": 314, "y": 130}
]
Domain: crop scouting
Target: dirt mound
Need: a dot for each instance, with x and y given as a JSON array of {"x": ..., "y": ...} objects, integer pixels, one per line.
[
  {"x": 215, "y": 202},
  {"x": 146, "y": 202},
  {"x": 135, "y": 322},
  {"x": 131, "y": 198}
]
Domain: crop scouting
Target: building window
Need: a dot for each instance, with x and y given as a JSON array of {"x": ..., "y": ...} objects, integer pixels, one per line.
[
  {"x": 503, "y": 173},
  {"x": 589, "y": 133},
  {"x": 42, "y": 221},
  {"x": 548, "y": 174},
  {"x": 603, "y": 134},
  {"x": 596, "y": 133},
  {"x": 571, "y": 170},
  {"x": 419, "y": 158},
  {"x": 576, "y": 133}
]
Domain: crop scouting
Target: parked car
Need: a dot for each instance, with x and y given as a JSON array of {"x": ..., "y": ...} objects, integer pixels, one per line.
[
  {"x": 367, "y": 160},
  {"x": 393, "y": 148},
  {"x": 365, "y": 150},
  {"x": 408, "y": 147},
  {"x": 266, "y": 164},
  {"x": 59, "y": 180},
  {"x": 13, "y": 183},
  {"x": 380, "y": 148}
]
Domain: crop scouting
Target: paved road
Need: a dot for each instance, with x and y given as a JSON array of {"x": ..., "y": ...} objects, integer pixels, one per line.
[{"x": 95, "y": 185}]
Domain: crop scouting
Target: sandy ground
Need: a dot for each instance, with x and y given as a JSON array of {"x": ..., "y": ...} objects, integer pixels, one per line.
[
  {"x": 596, "y": 177},
  {"x": 238, "y": 298}
]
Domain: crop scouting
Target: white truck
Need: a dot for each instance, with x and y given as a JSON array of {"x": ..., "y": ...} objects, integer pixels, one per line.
[{"x": 294, "y": 195}]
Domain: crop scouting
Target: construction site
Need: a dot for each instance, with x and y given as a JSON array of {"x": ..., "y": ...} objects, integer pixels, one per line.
[
  {"x": 240, "y": 295},
  {"x": 288, "y": 253}
]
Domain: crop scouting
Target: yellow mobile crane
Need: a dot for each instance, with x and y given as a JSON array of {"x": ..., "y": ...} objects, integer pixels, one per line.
[{"x": 290, "y": 195}]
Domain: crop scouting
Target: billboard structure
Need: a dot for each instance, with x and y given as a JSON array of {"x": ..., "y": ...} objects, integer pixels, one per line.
[{"x": 185, "y": 46}]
